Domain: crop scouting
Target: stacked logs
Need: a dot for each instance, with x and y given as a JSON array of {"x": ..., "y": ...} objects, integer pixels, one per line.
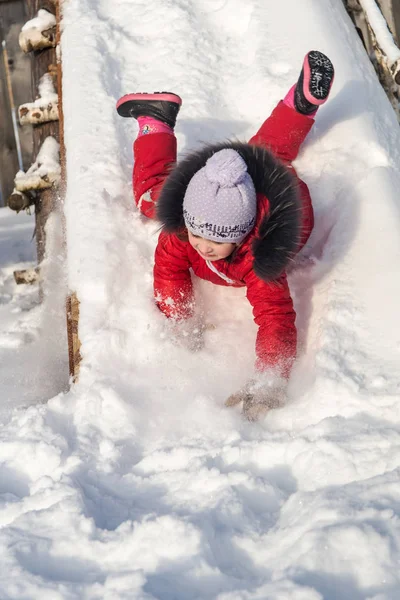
[
  {"x": 43, "y": 184},
  {"x": 39, "y": 185}
]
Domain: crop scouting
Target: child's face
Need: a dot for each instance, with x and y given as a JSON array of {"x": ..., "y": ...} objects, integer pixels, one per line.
[{"x": 210, "y": 250}]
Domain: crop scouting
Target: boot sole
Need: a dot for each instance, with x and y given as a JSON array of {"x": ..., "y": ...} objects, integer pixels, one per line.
[
  {"x": 124, "y": 104},
  {"x": 318, "y": 77}
]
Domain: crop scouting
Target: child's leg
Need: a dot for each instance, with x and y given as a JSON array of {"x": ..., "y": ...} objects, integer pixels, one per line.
[
  {"x": 287, "y": 127},
  {"x": 283, "y": 132},
  {"x": 154, "y": 155},
  {"x": 155, "y": 147}
]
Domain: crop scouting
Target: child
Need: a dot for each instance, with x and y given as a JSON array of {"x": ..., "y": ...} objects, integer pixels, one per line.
[{"x": 235, "y": 213}]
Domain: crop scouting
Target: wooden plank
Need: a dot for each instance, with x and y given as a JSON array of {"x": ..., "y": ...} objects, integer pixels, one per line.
[
  {"x": 74, "y": 345},
  {"x": 72, "y": 303},
  {"x": 43, "y": 61}
]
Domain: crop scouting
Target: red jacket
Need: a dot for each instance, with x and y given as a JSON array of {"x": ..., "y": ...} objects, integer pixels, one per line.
[{"x": 284, "y": 223}]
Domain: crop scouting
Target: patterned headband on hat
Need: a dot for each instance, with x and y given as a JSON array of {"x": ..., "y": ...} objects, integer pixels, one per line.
[{"x": 220, "y": 202}]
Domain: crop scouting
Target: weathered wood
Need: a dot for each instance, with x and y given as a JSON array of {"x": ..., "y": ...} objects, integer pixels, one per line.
[
  {"x": 28, "y": 276},
  {"x": 59, "y": 78},
  {"x": 44, "y": 173},
  {"x": 388, "y": 72},
  {"x": 33, "y": 39},
  {"x": 72, "y": 303},
  {"x": 37, "y": 183},
  {"x": 35, "y": 5},
  {"x": 12, "y": 17},
  {"x": 43, "y": 61},
  {"x": 19, "y": 201},
  {"x": 391, "y": 11},
  {"x": 34, "y": 113},
  {"x": 43, "y": 207},
  {"x": 74, "y": 344},
  {"x": 45, "y": 107}
]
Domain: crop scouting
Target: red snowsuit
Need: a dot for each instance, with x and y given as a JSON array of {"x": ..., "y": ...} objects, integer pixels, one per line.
[{"x": 282, "y": 134}]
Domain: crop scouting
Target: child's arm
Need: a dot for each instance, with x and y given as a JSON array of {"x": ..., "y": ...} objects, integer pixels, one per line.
[
  {"x": 173, "y": 290},
  {"x": 275, "y": 346},
  {"x": 275, "y": 316}
]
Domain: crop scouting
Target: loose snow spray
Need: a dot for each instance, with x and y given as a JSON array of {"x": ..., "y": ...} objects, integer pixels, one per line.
[{"x": 139, "y": 483}]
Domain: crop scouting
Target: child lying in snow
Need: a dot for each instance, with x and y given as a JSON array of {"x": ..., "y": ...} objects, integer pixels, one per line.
[{"x": 235, "y": 213}]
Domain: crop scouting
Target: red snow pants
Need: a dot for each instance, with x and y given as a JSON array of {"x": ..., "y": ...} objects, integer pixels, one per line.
[{"x": 282, "y": 133}]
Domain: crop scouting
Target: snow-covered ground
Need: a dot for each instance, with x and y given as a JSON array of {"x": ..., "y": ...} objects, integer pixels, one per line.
[
  {"x": 138, "y": 483},
  {"x": 32, "y": 337}
]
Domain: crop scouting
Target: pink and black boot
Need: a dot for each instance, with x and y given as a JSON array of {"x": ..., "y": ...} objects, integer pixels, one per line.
[
  {"x": 314, "y": 84},
  {"x": 155, "y": 113}
]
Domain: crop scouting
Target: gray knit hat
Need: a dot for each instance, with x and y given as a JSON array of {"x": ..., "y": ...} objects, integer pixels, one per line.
[{"x": 220, "y": 202}]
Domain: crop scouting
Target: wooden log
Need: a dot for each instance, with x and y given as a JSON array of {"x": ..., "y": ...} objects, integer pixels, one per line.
[
  {"x": 27, "y": 276},
  {"x": 33, "y": 39},
  {"x": 44, "y": 108},
  {"x": 35, "y": 113},
  {"x": 44, "y": 206},
  {"x": 37, "y": 182},
  {"x": 39, "y": 32},
  {"x": 20, "y": 201},
  {"x": 74, "y": 344},
  {"x": 43, "y": 62},
  {"x": 375, "y": 42},
  {"x": 45, "y": 171}
]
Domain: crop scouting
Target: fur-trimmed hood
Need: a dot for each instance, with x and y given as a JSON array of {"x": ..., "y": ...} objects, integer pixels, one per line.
[{"x": 276, "y": 235}]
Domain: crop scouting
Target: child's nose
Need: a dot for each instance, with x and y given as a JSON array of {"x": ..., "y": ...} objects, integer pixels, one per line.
[{"x": 205, "y": 248}]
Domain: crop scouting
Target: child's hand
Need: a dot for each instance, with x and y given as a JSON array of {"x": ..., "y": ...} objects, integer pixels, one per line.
[{"x": 258, "y": 397}]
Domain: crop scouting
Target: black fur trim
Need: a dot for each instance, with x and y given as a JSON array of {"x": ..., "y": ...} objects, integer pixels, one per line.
[{"x": 277, "y": 238}]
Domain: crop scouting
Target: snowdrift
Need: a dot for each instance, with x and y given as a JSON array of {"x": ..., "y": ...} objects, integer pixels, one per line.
[{"x": 138, "y": 483}]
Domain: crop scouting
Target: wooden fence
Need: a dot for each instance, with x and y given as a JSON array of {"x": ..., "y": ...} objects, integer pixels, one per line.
[{"x": 13, "y": 14}]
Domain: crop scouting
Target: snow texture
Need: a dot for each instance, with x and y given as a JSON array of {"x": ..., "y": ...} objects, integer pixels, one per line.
[{"x": 138, "y": 483}]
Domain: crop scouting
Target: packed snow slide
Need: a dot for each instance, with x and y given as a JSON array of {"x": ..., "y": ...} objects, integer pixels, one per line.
[{"x": 139, "y": 483}]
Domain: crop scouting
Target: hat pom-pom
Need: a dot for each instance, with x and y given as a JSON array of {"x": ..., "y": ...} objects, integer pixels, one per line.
[{"x": 226, "y": 167}]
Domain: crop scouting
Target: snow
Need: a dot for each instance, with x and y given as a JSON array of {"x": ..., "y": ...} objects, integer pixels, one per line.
[
  {"x": 47, "y": 93},
  {"x": 381, "y": 30},
  {"x": 32, "y": 337},
  {"x": 44, "y": 20},
  {"x": 44, "y": 108},
  {"x": 138, "y": 483},
  {"x": 32, "y": 33},
  {"x": 45, "y": 171}
]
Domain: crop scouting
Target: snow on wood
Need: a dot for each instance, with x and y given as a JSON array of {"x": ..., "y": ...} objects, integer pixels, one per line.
[
  {"x": 45, "y": 171},
  {"x": 29, "y": 276},
  {"x": 44, "y": 108},
  {"x": 39, "y": 32},
  {"x": 383, "y": 36}
]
